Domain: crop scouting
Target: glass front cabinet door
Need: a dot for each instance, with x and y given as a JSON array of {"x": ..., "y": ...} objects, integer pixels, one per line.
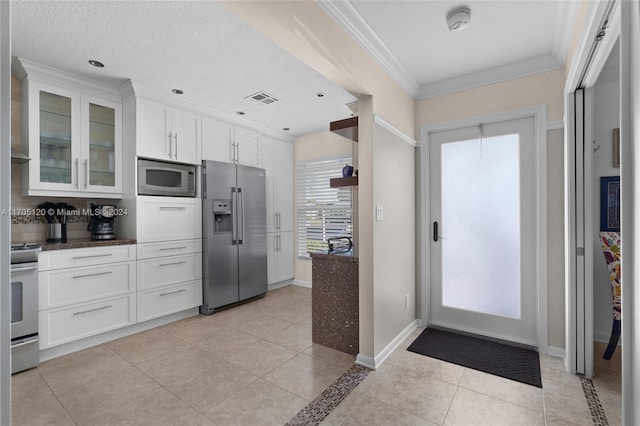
[{"x": 75, "y": 143}]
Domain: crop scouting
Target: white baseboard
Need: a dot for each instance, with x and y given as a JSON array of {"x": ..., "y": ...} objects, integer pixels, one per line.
[
  {"x": 301, "y": 283},
  {"x": 376, "y": 362},
  {"x": 366, "y": 361},
  {"x": 555, "y": 351},
  {"x": 280, "y": 284},
  {"x": 57, "y": 351}
]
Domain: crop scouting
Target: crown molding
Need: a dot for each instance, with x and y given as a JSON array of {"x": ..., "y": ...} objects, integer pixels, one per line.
[
  {"x": 392, "y": 129},
  {"x": 355, "y": 25},
  {"x": 568, "y": 10},
  {"x": 24, "y": 68},
  {"x": 490, "y": 76}
]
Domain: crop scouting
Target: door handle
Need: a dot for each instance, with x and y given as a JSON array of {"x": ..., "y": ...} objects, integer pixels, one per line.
[
  {"x": 234, "y": 219},
  {"x": 170, "y": 145},
  {"x": 175, "y": 138},
  {"x": 77, "y": 177},
  {"x": 241, "y": 237},
  {"x": 86, "y": 173},
  {"x": 436, "y": 237}
]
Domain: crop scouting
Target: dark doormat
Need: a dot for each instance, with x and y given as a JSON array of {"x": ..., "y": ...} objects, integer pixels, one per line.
[{"x": 519, "y": 364}]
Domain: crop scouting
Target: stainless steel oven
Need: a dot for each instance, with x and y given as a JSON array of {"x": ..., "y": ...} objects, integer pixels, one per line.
[
  {"x": 24, "y": 306},
  {"x": 167, "y": 179}
]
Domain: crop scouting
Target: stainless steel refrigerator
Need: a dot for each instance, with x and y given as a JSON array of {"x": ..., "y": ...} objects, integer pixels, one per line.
[{"x": 234, "y": 216}]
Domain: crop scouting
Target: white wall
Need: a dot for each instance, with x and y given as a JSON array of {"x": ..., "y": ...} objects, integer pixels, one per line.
[
  {"x": 394, "y": 251},
  {"x": 606, "y": 97},
  {"x": 314, "y": 146}
]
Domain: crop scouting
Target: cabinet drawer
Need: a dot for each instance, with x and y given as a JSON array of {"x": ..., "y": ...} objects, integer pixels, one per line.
[
  {"x": 169, "y": 248},
  {"x": 57, "y": 259},
  {"x": 163, "y": 271},
  {"x": 63, "y": 325},
  {"x": 167, "y": 300},
  {"x": 168, "y": 219},
  {"x": 75, "y": 285}
]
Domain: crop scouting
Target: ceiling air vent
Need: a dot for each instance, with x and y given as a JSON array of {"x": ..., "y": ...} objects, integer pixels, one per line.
[{"x": 263, "y": 98}]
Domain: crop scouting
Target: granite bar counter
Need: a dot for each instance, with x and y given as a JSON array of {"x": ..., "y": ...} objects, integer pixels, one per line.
[
  {"x": 334, "y": 301},
  {"x": 85, "y": 243}
]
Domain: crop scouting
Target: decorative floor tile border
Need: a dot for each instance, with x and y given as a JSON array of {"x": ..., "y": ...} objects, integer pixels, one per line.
[
  {"x": 318, "y": 409},
  {"x": 595, "y": 407}
]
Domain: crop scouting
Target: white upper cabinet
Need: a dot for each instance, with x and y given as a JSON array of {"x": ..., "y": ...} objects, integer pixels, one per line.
[
  {"x": 224, "y": 142},
  {"x": 74, "y": 140},
  {"x": 277, "y": 160},
  {"x": 167, "y": 133}
]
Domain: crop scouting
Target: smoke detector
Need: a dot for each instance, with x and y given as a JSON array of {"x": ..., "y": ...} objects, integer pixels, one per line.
[{"x": 458, "y": 19}]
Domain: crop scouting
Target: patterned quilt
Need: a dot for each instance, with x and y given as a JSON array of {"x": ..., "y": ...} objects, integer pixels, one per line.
[{"x": 611, "y": 248}]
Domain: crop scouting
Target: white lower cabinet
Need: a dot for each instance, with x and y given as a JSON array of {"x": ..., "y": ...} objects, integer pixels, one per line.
[
  {"x": 280, "y": 258},
  {"x": 169, "y": 299},
  {"x": 168, "y": 218},
  {"x": 169, "y": 277},
  {"x": 64, "y": 325},
  {"x": 84, "y": 292}
]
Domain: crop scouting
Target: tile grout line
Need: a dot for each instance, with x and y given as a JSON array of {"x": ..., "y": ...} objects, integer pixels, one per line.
[
  {"x": 318, "y": 409},
  {"x": 593, "y": 401}
]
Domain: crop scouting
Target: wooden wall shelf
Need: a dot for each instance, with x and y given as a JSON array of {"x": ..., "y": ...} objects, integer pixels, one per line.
[
  {"x": 347, "y": 128},
  {"x": 343, "y": 181}
]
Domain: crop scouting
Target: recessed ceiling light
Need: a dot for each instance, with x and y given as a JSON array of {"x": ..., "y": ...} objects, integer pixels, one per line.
[
  {"x": 286, "y": 129},
  {"x": 240, "y": 112},
  {"x": 96, "y": 64},
  {"x": 320, "y": 95},
  {"x": 177, "y": 91}
]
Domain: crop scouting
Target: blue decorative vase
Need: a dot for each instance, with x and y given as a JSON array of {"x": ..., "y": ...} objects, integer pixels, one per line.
[{"x": 347, "y": 171}]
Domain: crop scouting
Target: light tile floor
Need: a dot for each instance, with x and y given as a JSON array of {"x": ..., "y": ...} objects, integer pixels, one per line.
[
  {"x": 607, "y": 378},
  {"x": 255, "y": 365}
]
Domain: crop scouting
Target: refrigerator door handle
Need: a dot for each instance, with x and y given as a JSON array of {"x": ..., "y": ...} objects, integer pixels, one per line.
[
  {"x": 234, "y": 212},
  {"x": 241, "y": 237}
]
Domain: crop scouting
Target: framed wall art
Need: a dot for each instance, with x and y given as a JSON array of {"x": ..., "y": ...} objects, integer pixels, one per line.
[{"x": 610, "y": 203}]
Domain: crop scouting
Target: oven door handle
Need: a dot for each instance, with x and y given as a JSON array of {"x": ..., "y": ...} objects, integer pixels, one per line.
[
  {"x": 28, "y": 268},
  {"x": 24, "y": 342}
]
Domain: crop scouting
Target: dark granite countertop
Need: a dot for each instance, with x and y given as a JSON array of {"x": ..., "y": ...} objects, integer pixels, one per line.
[
  {"x": 85, "y": 243},
  {"x": 344, "y": 257}
]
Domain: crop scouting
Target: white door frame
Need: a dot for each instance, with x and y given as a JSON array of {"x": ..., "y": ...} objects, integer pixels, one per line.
[
  {"x": 539, "y": 114},
  {"x": 590, "y": 59}
]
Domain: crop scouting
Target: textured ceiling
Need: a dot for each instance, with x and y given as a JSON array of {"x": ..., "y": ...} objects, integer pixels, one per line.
[{"x": 196, "y": 46}]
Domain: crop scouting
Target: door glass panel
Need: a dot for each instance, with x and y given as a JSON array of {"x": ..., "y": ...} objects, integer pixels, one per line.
[
  {"x": 102, "y": 166},
  {"x": 481, "y": 225},
  {"x": 55, "y": 138}
]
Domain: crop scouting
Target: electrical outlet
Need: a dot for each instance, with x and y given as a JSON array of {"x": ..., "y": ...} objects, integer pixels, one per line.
[
  {"x": 406, "y": 301},
  {"x": 379, "y": 213}
]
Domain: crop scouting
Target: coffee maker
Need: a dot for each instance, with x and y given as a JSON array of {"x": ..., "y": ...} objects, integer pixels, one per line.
[{"x": 101, "y": 224}]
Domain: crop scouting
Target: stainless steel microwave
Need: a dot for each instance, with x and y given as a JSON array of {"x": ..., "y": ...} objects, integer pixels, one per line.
[{"x": 167, "y": 179}]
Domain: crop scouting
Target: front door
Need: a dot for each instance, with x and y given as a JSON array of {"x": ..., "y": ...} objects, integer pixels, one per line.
[{"x": 483, "y": 230}]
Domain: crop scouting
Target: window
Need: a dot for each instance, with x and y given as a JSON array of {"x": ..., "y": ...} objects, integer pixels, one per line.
[{"x": 323, "y": 212}]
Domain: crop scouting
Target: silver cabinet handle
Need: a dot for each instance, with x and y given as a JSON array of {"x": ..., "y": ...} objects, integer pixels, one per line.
[
  {"x": 279, "y": 242},
  {"x": 237, "y": 152},
  {"x": 275, "y": 221},
  {"x": 92, "y": 310},
  {"x": 173, "y": 248},
  {"x": 86, "y": 173},
  {"x": 28, "y": 341},
  {"x": 279, "y": 221},
  {"x": 170, "y": 145},
  {"x": 175, "y": 139},
  {"x": 77, "y": 178},
  {"x": 15, "y": 270},
  {"x": 171, "y": 208},
  {"x": 173, "y": 263},
  {"x": 173, "y": 292},
  {"x": 92, "y": 275},
  {"x": 233, "y": 151},
  {"x": 93, "y": 255}
]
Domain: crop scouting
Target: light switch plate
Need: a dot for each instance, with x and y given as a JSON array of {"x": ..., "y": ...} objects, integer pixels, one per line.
[{"x": 379, "y": 213}]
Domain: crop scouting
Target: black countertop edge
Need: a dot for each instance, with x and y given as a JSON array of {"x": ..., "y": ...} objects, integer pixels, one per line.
[{"x": 345, "y": 257}]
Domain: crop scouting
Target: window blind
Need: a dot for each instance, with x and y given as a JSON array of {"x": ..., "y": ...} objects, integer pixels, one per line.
[{"x": 323, "y": 212}]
